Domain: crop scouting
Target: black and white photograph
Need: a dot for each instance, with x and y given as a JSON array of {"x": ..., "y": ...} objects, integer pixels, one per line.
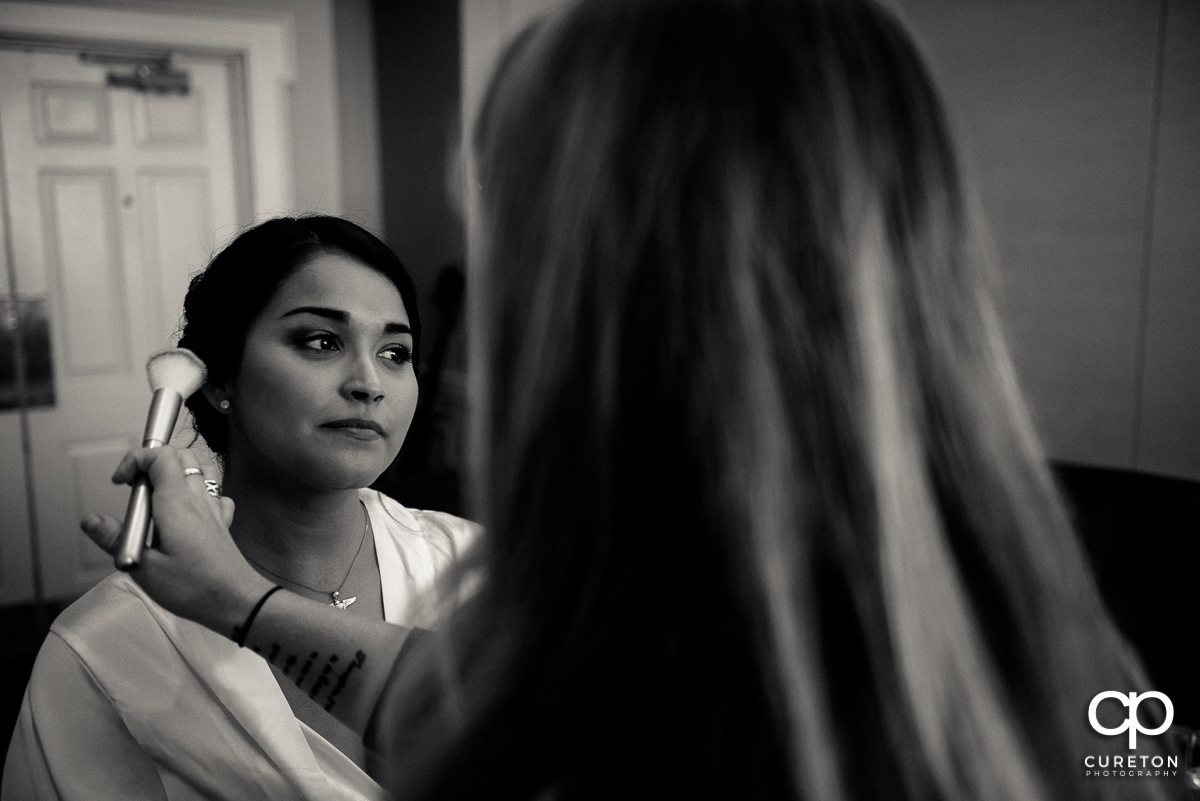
[{"x": 552, "y": 400}]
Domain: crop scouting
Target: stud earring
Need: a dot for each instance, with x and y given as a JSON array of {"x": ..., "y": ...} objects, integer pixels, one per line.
[{"x": 224, "y": 405}]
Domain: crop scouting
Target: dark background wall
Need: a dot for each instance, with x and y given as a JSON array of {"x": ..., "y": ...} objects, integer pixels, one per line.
[{"x": 417, "y": 56}]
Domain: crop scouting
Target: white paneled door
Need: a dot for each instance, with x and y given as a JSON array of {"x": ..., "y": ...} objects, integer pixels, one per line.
[{"x": 113, "y": 196}]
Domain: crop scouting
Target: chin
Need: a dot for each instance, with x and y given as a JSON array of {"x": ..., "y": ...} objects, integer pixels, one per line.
[{"x": 332, "y": 475}]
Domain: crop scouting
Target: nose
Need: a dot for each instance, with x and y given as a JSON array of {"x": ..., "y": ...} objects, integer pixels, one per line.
[{"x": 363, "y": 383}]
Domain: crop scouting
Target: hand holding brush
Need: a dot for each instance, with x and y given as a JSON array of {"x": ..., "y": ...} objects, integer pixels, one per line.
[{"x": 174, "y": 375}]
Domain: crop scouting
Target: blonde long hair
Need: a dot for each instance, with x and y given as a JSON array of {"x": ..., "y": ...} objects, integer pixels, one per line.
[{"x": 766, "y": 514}]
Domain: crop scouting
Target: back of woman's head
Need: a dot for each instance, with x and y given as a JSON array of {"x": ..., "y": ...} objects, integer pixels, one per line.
[
  {"x": 224, "y": 300},
  {"x": 765, "y": 515}
]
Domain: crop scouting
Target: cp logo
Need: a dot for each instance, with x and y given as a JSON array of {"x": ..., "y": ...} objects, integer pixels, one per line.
[{"x": 1131, "y": 723}]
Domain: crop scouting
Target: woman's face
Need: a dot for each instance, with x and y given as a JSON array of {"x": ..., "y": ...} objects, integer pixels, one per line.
[{"x": 326, "y": 389}]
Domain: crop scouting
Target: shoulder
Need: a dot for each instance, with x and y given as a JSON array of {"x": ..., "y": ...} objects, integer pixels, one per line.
[
  {"x": 116, "y": 618},
  {"x": 437, "y": 529},
  {"x": 115, "y": 604},
  {"x": 93, "y": 641}
]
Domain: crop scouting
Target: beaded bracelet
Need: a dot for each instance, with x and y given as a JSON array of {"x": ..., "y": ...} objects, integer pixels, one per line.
[{"x": 239, "y": 633}]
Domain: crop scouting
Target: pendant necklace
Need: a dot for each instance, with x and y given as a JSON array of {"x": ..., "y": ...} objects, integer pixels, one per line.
[{"x": 335, "y": 594}]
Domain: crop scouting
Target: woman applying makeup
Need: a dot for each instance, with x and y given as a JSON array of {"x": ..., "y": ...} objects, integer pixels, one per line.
[{"x": 308, "y": 327}]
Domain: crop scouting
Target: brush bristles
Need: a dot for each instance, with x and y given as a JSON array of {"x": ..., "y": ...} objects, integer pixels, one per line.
[{"x": 178, "y": 369}]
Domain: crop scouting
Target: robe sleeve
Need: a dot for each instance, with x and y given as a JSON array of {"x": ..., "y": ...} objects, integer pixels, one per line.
[{"x": 70, "y": 741}]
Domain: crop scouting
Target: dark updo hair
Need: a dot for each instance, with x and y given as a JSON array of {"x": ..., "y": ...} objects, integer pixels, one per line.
[{"x": 223, "y": 301}]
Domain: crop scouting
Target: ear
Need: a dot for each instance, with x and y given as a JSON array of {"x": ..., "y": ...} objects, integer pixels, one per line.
[{"x": 215, "y": 395}]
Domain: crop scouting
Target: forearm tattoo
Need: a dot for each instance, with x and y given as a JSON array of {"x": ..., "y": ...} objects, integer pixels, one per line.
[{"x": 323, "y": 684}]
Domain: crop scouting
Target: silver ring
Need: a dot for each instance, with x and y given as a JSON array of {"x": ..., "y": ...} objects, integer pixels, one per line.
[
  {"x": 212, "y": 488},
  {"x": 192, "y": 471}
]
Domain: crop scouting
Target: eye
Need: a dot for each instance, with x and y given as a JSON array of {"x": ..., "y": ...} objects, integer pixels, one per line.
[
  {"x": 320, "y": 341},
  {"x": 396, "y": 354}
]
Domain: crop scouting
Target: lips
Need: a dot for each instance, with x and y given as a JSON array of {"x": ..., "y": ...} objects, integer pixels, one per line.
[{"x": 356, "y": 426}]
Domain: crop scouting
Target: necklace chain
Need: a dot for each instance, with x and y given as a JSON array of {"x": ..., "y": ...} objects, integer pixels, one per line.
[{"x": 335, "y": 594}]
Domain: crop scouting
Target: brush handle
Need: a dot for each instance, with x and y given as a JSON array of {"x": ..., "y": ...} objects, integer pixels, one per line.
[
  {"x": 135, "y": 532},
  {"x": 136, "y": 529}
]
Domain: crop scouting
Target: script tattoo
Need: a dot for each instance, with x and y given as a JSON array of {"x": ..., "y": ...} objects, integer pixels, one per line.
[{"x": 323, "y": 685}]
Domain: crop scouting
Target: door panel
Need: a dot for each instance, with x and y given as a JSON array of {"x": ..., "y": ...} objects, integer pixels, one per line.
[
  {"x": 84, "y": 267},
  {"x": 172, "y": 201}
]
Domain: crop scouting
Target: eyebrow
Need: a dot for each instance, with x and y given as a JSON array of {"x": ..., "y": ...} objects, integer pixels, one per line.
[{"x": 343, "y": 317}]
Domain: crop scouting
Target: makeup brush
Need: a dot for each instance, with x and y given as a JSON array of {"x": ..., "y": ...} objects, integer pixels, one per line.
[{"x": 174, "y": 375}]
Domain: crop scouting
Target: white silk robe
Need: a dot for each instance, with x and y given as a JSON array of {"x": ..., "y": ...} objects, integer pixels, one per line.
[{"x": 128, "y": 701}]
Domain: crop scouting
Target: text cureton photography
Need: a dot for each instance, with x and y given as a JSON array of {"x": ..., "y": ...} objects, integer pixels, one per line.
[{"x": 1130, "y": 764}]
